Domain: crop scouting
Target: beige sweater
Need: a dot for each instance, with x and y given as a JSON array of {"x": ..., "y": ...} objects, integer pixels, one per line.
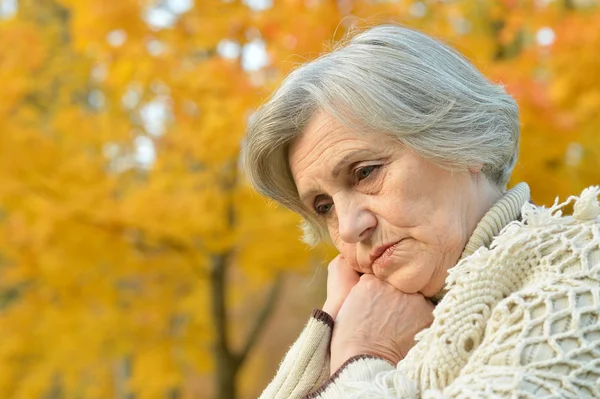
[{"x": 520, "y": 318}]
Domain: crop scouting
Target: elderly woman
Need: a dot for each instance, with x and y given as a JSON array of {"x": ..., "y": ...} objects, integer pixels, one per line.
[{"x": 447, "y": 285}]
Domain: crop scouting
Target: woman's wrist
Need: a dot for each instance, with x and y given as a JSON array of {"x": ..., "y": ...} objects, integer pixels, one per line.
[{"x": 331, "y": 308}]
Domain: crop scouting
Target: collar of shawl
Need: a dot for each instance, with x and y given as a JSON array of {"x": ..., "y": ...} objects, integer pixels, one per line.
[{"x": 504, "y": 211}]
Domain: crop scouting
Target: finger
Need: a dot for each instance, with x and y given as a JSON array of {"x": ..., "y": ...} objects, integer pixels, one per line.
[
  {"x": 343, "y": 268},
  {"x": 336, "y": 263}
]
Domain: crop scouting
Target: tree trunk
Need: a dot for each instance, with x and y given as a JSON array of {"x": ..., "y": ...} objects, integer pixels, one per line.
[{"x": 226, "y": 371}]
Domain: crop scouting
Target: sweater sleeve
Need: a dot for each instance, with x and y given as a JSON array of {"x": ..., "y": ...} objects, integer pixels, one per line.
[
  {"x": 542, "y": 343},
  {"x": 306, "y": 364}
]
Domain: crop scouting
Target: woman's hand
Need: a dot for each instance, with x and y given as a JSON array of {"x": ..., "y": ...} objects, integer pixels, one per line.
[
  {"x": 379, "y": 320},
  {"x": 340, "y": 280}
]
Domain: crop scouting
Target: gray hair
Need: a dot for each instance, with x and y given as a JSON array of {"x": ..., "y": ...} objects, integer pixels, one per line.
[{"x": 393, "y": 80}]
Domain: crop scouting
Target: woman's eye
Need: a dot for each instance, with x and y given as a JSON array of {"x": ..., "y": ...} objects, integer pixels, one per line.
[
  {"x": 364, "y": 172},
  {"x": 323, "y": 209}
]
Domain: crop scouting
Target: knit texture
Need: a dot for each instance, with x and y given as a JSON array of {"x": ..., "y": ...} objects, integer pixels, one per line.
[{"x": 303, "y": 367}]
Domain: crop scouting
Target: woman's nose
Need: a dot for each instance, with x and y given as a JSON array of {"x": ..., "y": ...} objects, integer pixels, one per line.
[{"x": 356, "y": 223}]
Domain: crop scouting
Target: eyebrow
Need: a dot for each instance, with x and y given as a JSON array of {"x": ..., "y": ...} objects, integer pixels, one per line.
[{"x": 335, "y": 172}]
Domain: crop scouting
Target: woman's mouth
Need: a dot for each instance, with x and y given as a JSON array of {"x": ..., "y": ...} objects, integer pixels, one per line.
[{"x": 383, "y": 255}]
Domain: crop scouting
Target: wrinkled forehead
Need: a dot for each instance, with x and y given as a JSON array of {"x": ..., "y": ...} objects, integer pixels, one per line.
[{"x": 320, "y": 128}]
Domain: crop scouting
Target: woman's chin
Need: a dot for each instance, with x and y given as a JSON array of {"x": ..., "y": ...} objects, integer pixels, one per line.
[{"x": 410, "y": 278}]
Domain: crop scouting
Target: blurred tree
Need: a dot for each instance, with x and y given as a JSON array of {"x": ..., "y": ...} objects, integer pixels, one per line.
[
  {"x": 123, "y": 213},
  {"x": 128, "y": 236}
]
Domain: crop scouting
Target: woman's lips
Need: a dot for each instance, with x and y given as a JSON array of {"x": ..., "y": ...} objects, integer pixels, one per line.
[{"x": 384, "y": 258}]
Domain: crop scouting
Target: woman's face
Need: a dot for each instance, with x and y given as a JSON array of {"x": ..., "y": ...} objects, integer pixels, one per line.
[{"x": 389, "y": 211}]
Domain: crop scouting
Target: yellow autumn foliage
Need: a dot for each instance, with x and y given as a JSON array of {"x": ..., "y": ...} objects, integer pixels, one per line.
[{"x": 134, "y": 260}]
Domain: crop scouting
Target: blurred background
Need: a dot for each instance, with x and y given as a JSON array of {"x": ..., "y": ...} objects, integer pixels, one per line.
[{"x": 135, "y": 262}]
